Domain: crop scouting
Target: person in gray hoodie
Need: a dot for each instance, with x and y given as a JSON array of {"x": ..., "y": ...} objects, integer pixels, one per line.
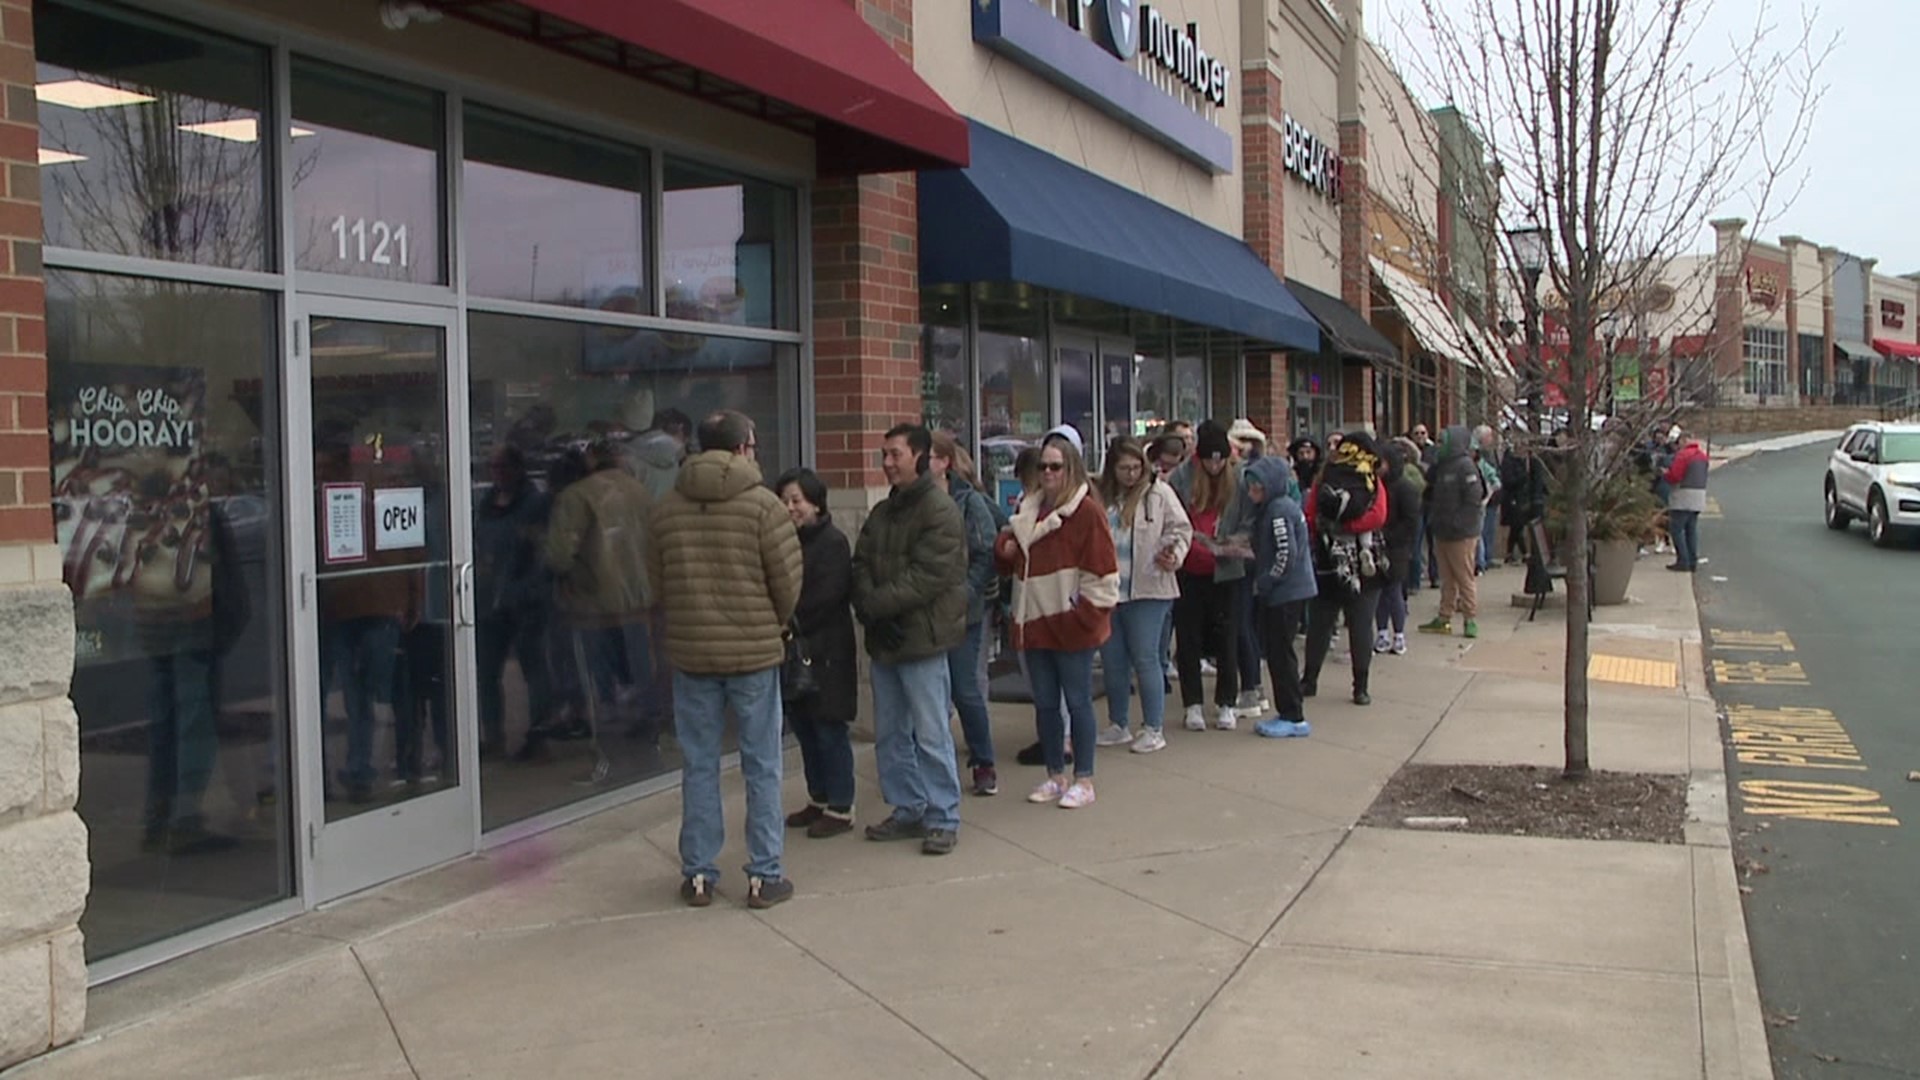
[
  {"x": 1456, "y": 505},
  {"x": 1283, "y": 582}
]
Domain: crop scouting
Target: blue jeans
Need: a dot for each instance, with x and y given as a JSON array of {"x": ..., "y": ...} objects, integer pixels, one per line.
[
  {"x": 1392, "y": 613},
  {"x": 182, "y": 739},
  {"x": 913, "y": 745},
  {"x": 700, "y": 705},
  {"x": 967, "y": 675},
  {"x": 361, "y": 651},
  {"x": 1056, "y": 673},
  {"x": 1489, "y": 532},
  {"x": 1684, "y": 525},
  {"x": 1134, "y": 652}
]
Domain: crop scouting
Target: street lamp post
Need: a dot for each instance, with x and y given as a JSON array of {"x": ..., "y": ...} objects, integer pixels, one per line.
[{"x": 1530, "y": 255}]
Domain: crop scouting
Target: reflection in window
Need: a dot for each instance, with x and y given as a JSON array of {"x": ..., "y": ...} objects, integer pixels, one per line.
[
  {"x": 1013, "y": 399},
  {"x": 1153, "y": 393},
  {"x": 166, "y": 511},
  {"x": 945, "y": 390},
  {"x": 554, "y": 217},
  {"x": 149, "y": 139},
  {"x": 727, "y": 248},
  {"x": 550, "y": 400},
  {"x": 1190, "y": 389},
  {"x": 1224, "y": 376},
  {"x": 366, "y": 175}
]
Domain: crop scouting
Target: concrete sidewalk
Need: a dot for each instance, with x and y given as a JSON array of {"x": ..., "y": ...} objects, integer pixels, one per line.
[{"x": 1216, "y": 913}]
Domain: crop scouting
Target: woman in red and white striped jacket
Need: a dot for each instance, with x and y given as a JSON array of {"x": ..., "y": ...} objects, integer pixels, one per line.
[{"x": 1060, "y": 553}]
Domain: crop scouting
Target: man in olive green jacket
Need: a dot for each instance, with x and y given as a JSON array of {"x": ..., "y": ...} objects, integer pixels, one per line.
[
  {"x": 596, "y": 549},
  {"x": 727, "y": 562},
  {"x": 910, "y": 592}
]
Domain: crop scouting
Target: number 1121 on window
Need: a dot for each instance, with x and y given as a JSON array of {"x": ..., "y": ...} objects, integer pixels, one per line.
[{"x": 366, "y": 241}]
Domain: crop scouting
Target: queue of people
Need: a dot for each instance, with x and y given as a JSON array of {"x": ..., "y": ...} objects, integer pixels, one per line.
[{"x": 1201, "y": 544}]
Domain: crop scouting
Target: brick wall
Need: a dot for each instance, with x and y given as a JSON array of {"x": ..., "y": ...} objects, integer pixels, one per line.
[
  {"x": 43, "y": 845},
  {"x": 1267, "y": 395},
  {"x": 1355, "y": 202},
  {"x": 1263, "y": 180},
  {"x": 866, "y": 307}
]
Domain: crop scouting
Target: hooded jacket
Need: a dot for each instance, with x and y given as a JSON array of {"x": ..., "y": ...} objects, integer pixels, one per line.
[
  {"x": 910, "y": 574},
  {"x": 597, "y": 549},
  {"x": 1402, "y": 530},
  {"x": 509, "y": 577},
  {"x": 729, "y": 566},
  {"x": 1455, "y": 492},
  {"x": 1282, "y": 551},
  {"x": 1688, "y": 475},
  {"x": 976, "y": 513},
  {"x": 1067, "y": 574}
]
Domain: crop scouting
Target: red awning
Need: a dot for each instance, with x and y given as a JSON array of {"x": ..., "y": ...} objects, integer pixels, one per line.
[
  {"x": 1906, "y": 350},
  {"x": 814, "y": 65}
]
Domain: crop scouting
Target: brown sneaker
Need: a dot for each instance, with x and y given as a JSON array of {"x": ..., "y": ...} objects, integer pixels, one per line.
[
  {"x": 805, "y": 816},
  {"x": 697, "y": 891},
  {"x": 830, "y": 823}
]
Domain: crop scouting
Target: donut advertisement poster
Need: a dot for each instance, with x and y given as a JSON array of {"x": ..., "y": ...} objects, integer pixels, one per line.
[{"x": 131, "y": 507}]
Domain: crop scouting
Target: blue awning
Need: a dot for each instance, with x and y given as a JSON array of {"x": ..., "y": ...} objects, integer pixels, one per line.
[{"x": 1019, "y": 214}]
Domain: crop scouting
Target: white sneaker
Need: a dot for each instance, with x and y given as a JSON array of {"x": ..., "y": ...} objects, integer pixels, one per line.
[
  {"x": 1115, "y": 735},
  {"x": 1399, "y": 644},
  {"x": 1196, "y": 718},
  {"x": 1340, "y": 657},
  {"x": 1207, "y": 668},
  {"x": 1224, "y": 719},
  {"x": 1382, "y": 642},
  {"x": 1077, "y": 796},
  {"x": 1148, "y": 741},
  {"x": 1251, "y": 703}
]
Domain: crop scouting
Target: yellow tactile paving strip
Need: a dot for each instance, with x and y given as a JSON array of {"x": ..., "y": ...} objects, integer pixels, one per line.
[{"x": 1633, "y": 670}]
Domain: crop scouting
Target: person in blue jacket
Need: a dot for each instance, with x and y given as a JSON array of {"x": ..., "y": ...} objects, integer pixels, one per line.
[{"x": 1283, "y": 582}]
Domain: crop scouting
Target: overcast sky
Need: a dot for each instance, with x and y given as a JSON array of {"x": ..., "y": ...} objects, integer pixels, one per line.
[{"x": 1858, "y": 194}]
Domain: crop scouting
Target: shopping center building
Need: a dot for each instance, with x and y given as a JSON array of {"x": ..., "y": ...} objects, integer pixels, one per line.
[
  {"x": 1762, "y": 324},
  {"x": 309, "y": 310}
]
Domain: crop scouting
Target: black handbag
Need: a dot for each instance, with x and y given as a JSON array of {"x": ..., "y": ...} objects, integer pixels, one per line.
[{"x": 797, "y": 682}]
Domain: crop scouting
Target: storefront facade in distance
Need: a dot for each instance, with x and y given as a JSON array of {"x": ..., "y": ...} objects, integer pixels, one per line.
[{"x": 335, "y": 302}]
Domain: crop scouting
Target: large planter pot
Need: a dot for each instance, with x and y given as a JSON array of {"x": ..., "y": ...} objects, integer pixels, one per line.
[{"x": 1612, "y": 570}]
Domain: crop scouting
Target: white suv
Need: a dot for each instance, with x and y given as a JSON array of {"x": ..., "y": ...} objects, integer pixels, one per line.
[{"x": 1874, "y": 473}]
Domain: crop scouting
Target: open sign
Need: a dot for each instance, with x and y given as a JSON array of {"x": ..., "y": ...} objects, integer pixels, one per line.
[{"x": 399, "y": 518}]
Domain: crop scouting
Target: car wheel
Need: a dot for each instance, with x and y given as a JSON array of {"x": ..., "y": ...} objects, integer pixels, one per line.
[
  {"x": 1878, "y": 528},
  {"x": 1837, "y": 517}
]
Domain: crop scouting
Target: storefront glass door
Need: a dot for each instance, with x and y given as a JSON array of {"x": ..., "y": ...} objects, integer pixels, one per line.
[
  {"x": 382, "y": 571},
  {"x": 1096, "y": 389}
]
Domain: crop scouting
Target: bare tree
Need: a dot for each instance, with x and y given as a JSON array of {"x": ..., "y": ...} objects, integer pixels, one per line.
[{"x": 1611, "y": 126}]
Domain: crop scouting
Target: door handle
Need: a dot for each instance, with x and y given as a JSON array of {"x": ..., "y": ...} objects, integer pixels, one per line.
[{"x": 463, "y": 594}]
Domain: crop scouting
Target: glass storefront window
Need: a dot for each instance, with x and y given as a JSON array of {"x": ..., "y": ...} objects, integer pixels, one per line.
[
  {"x": 727, "y": 248},
  {"x": 365, "y": 169},
  {"x": 167, "y": 508},
  {"x": 1190, "y": 401},
  {"x": 1223, "y": 376},
  {"x": 946, "y": 389},
  {"x": 1013, "y": 398},
  {"x": 546, "y": 395},
  {"x": 150, "y": 147},
  {"x": 1153, "y": 394},
  {"x": 554, "y": 217}
]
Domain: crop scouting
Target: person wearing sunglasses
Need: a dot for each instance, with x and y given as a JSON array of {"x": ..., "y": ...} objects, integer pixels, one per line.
[{"x": 1061, "y": 555}]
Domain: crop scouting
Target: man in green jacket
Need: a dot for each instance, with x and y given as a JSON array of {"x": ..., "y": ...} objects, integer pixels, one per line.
[
  {"x": 728, "y": 565},
  {"x": 910, "y": 592}
]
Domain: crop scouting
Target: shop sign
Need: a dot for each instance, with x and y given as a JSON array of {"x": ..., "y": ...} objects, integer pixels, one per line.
[
  {"x": 1308, "y": 157},
  {"x": 1763, "y": 282},
  {"x": 399, "y": 518},
  {"x": 1128, "y": 59},
  {"x": 1893, "y": 314}
]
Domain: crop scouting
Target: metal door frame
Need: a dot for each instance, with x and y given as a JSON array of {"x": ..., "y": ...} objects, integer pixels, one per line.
[{"x": 343, "y": 857}]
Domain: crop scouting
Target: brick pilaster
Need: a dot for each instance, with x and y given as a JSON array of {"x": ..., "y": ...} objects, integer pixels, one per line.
[
  {"x": 866, "y": 301},
  {"x": 1828, "y": 256},
  {"x": 43, "y": 845},
  {"x": 1356, "y": 197},
  {"x": 1729, "y": 297},
  {"x": 1262, "y": 172},
  {"x": 1267, "y": 396}
]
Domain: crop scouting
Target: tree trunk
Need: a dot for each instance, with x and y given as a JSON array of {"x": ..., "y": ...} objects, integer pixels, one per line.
[{"x": 1579, "y": 588}]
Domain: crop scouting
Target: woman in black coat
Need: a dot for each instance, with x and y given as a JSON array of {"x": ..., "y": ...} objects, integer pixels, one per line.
[
  {"x": 1401, "y": 533},
  {"x": 824, "y": 620}
]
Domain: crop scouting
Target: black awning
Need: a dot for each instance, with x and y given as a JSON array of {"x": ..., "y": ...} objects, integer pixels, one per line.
[{"x": 1344, "y": 331}]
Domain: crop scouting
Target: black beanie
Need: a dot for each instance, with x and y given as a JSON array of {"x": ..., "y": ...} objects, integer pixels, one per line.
[{"x": 1210, "y": 440}]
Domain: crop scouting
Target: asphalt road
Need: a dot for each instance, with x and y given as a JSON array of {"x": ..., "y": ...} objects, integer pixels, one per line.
[{"x": 1819, "y": 763}]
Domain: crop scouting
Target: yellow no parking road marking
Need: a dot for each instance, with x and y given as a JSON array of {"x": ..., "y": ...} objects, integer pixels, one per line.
[{"x": 1793, "y": 737}]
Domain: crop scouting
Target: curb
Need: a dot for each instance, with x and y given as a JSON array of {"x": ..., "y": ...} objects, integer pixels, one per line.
[{"x": 1733, "y": 1032}]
